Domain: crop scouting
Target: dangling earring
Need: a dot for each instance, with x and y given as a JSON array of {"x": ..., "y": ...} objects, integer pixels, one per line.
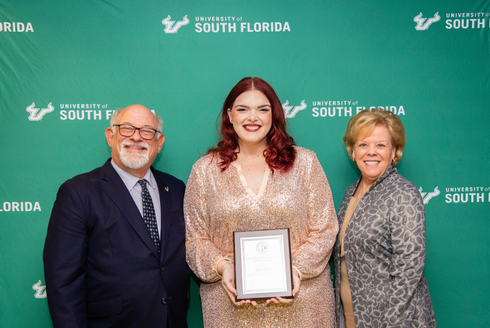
[{"x": 353, "y": 159}]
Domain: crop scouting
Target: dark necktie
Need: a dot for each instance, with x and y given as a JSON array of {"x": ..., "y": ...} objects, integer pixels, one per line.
[{"x": 149, "y": 214}]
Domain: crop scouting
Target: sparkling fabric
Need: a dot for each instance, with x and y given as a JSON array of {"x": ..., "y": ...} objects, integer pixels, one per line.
[
  {"x": 217, "y": 203},
  {"x": 149, "y": 214}
]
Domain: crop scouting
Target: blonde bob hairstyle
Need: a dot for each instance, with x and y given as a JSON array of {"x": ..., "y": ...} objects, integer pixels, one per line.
[{"x": 362, "y": 125}]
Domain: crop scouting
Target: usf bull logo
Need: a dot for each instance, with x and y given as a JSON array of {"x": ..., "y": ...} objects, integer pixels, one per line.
[
  {"x": 427, "y": 196},
  {"x": 291, "y": 111},
  {"x": 36, "y": 114},
  {"x": 424, "y": 23},
  {"x": 40, "y": 290},
  {"x": 171, "y": 26}
]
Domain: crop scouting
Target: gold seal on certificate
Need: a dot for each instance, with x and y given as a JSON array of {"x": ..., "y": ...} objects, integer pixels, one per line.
[{"x": 263, "y": 264}]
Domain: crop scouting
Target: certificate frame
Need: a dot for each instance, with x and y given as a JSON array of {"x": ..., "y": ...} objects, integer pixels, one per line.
[{"x": 263, "y": 267}]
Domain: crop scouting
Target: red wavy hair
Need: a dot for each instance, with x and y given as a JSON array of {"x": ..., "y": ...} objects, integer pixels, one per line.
[{"x": 280, "y": 153}]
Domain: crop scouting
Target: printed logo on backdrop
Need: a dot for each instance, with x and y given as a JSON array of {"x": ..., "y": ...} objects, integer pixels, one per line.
[
  {"x": 20, "y": 207},
  {"x": 16, "y": 27},
  {"x": 73, "y": 112},
  {"x": 172, "y": 26},
  {"x": 424, "y": 23},
  {"x": 427, "y": 196},
  {"x": 37, "y": 114},
  {"x": 348, "y": 108},
  {"x": 291, "y": 111},
  {"x": 463, "y": 195},
  {"x": 461, "y": 20},
  {"x": 334, "y": 108},
  {"x": 455, "y": 195},
  {"x": 225, "y": 24},
  {"x": 468, "y": 20},
  {"x": 40, "y": 290},
  {"x": 81, "y": 112}
]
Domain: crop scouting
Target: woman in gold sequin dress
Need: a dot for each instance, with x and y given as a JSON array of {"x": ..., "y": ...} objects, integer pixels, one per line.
[{"x": 254, "y": 179}]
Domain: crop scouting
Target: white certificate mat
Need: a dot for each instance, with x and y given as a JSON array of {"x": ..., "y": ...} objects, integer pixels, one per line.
[{"x": 263, "y": 264}]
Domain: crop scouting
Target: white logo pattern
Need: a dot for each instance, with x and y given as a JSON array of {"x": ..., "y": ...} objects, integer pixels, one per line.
[
  {"x": 424, "y": 23},
  {"x": 36, "y": 114},
  {"x": 40, "y": 290},
  {"x": 427, "y": 196},
  {"x": 291, "y": 112},
  {"x": 171, "y": 27}
]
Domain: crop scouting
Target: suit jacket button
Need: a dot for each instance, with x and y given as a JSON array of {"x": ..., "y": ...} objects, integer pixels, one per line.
[
  {"x": 162, "y": 268},
  {"x": 164, "y": 301}
]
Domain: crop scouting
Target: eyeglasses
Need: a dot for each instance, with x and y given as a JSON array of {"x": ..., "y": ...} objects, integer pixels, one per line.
[{"x": 127, "y": 130}]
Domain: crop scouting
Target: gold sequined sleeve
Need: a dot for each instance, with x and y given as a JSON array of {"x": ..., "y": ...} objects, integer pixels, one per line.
[
  {"x": 312, "y": 256},
  {"x": 202, "y": 254}
]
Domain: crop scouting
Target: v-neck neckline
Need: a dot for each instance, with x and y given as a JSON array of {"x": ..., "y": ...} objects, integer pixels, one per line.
[{"x": 249, "y": 190}]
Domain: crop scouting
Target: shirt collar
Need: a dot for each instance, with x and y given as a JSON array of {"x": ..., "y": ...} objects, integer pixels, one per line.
[
  {"x": 390, "y": 170},
  {"x": 130, "y": 180}
]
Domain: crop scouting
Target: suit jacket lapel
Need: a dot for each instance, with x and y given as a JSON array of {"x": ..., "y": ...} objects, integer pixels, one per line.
[
  {"x": 117, "y": 191},
  {"x": 166, "y": 213}
]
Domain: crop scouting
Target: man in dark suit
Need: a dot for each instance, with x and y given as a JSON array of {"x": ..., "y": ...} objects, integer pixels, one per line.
[{"x": 115, "y": 250}]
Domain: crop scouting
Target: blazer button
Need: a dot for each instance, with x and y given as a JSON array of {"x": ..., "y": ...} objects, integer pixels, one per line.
[
  {"x": 164, "y": 301},
  {"x": 162, "y": 268}
]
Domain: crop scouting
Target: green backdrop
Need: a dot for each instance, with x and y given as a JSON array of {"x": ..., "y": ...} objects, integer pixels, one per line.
[{"x": 65, "y": 65}]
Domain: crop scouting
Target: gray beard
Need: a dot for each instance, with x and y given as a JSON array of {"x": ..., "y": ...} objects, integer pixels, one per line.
[{"x": 133, "y": 160}]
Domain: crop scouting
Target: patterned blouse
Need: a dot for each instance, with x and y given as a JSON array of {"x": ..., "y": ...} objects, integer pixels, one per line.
[{"x": 384, "y": 247}]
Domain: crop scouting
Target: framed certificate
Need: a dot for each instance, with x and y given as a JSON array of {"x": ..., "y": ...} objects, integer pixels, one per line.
[{"x": 263, "y": 264}]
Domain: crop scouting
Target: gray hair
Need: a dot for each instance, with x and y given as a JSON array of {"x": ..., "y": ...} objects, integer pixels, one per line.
[{"x": 118, "y": 111}]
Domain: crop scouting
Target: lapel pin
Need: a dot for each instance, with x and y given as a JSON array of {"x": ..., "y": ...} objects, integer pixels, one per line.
[{"x": 166, "y": 189}]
